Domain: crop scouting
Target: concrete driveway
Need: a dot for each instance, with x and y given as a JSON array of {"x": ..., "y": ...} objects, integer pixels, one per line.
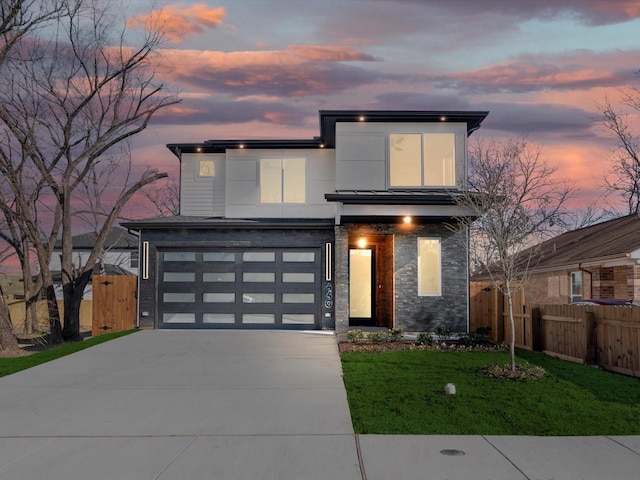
[
  {"x": 245, "y": 405},
  {"x": 188, "y": 405}
]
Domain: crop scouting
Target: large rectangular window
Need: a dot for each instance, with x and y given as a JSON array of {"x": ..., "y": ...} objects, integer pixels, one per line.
[
  {"x": 282, "y": 180},
  {"x": 422, "y": 160},
  {"x": 429, "y": 267}
]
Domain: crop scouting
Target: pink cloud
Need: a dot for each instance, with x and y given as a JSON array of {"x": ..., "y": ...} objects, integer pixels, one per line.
[
  {"x": 531, "y": 73},
  {"x": 178, "y": 22},
  {"x": 294, "y": 71}
]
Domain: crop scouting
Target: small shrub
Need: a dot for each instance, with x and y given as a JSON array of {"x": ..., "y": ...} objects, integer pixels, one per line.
[
  {"x": 426, "y": 338},
  {"x": 396, "y": 334},
  {"x": 379, "y": 337},
  {"x": 483, "y": 331},
  {"x": 471, "y": 339},
  {"x": 354, "y": 336},
  {"x": 443, "y": 332}
]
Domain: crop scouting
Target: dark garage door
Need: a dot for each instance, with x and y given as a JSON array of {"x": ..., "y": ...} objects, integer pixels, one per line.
[{"x": 249, "y": 288}]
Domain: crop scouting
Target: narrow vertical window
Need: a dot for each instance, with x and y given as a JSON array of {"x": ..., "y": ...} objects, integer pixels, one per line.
[
  {"x": 429, "y": 267},
  {"x": 576, "y": 286}
]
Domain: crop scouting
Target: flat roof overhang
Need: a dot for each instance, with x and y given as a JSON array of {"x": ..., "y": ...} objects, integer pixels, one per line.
[{"x": 328, "y": 120}]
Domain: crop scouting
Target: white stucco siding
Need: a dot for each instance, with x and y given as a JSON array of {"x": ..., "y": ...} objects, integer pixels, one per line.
[
  {"x": 243, "y": 184},
  {"x": 362, "y": 151}
]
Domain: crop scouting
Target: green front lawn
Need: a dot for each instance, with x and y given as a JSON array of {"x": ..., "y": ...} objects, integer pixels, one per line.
[
  {"x": 403, "y": 393},
  {"x": 16, "y": 364}
]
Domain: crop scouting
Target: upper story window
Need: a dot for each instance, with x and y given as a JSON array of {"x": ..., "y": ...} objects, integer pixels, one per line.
[
  {"x": 422, "y": 160},
  {"x": 282, "y": 180}
]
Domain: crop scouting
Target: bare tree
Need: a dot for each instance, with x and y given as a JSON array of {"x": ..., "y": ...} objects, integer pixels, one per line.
[
  {"x": 623, "y": 178},
  {"x": 515, "y": 201},
  {"x": 162, "y": 198},
  {"x": 69, "y": 101}
]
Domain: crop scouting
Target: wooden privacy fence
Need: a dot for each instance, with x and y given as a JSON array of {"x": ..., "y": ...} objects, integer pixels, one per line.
[
  {"x": 114, "y": 303},
  {"x": 607, "y": 336}
]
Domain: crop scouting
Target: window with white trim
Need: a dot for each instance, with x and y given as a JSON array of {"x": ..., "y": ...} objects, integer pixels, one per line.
[
  {"x": 282, "y": 180},
  {"x": 576, "y": 286},
  {"x": 422, "y": 159},
  {"x": 429, "y": 267}
]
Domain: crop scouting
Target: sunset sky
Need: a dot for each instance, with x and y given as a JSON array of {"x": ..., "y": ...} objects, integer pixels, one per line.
[{"x": 263, "y": 69}]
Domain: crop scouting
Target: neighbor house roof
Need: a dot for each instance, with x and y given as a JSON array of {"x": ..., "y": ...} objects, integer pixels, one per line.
[
  {"x": 615, "y": 241},
  {"x": 328, "y": 120},
  {"x": 117, "y": 239}
]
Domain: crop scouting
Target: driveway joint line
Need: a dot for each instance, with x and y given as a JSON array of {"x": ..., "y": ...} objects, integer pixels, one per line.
[
  {"x": 505, "y": 457},
  {"x": 363, "y": 472},
  {"x": 622, "y": 445},
  {"x": 175, "y": 458}
]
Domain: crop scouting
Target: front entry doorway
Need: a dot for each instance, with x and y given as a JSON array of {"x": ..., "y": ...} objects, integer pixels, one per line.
[
  {"x": 361, "y": 287},
  {"x": 371, "y": 295}
]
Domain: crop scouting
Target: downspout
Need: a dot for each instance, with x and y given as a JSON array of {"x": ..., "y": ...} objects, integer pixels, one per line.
[{"x": 590, "y": 279}]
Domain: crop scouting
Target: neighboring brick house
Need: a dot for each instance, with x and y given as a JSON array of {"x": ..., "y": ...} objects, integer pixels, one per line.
[
  {"x": 350, "y": 228},
  {"x": 597, "y": 262}
]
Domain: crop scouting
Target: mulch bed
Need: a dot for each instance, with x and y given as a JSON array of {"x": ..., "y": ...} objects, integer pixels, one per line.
[{"x": 383, "y": 347}]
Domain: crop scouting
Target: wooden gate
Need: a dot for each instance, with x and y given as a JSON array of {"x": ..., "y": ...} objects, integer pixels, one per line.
[{"x": 114, "y": 303}]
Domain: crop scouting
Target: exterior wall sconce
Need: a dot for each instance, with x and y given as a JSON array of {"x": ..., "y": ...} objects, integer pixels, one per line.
[{"x": 362, "y": 242}]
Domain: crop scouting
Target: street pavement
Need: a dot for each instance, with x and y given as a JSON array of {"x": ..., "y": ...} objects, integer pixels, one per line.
[{"x": 246, "y": 405}]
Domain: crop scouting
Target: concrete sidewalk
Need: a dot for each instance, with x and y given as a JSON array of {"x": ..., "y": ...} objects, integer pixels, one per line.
[{"x": 245, "y": 405}]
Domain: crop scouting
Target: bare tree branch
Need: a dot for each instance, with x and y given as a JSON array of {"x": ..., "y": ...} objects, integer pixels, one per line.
[{"x": 514, "y": 202}]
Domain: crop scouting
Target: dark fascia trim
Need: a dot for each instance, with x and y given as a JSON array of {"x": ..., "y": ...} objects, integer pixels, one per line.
[
  {"x": 221, "y": 146},
  {"x": 327, "y": 138},
  {"x": 328, "y": 119},
  {"x": 267, "y": 224},
  {"x": 398, "y": 220},
  {"x": 392, "y": 199}
]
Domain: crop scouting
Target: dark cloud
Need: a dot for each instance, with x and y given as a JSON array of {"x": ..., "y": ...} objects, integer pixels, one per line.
[
  {"x": 534, "y": 119},
  {"x": 515, "y": 118},
  {"x": 589, "y": 12}
]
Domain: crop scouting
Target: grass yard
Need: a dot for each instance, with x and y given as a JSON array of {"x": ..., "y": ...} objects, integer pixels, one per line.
[
  {"x": 16, "y": 364},
  {"x": 403, "y": 393}
]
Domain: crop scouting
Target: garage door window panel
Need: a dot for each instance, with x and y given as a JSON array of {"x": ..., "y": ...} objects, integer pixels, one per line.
[
  {"x": 259, "y": 277},
  {"x": 259, "y": 318},
  {"x": 179, "y": 256},
  {"x": 226, "y": 318},
  {"x": 179, "y": 277},
  {"x": 254, "y": 297},
  {"x": 219, "y": 297},
  {"x": 219, "y": 277},
  {"x": 219, "y": 257}
]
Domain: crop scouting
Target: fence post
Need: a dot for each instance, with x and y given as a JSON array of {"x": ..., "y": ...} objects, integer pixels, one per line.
[
  {"x": 537, "y": 330},
  {"x": 591, "y": 338}
]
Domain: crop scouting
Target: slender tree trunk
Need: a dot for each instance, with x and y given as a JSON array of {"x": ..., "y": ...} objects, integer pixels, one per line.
[{"x": 512, "y": 341}]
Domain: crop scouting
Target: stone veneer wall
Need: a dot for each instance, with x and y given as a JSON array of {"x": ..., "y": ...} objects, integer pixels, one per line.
[{"x": 412, "y": 312}]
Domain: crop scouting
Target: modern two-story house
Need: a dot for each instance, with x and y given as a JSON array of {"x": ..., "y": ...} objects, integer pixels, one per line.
[{"x": 353, "y": 227}]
